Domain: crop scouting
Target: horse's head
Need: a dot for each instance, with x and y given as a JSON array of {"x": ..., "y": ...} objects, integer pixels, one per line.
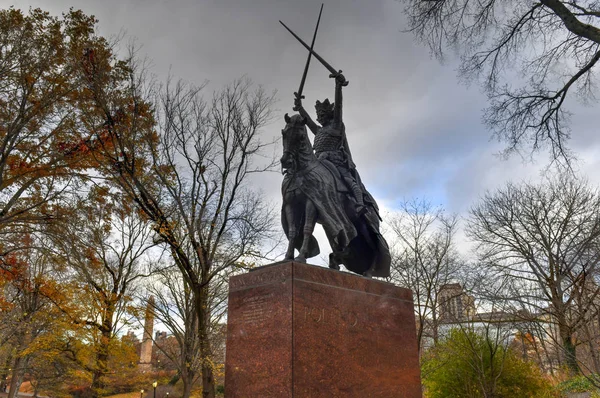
[{"x": 295, "y": 141}]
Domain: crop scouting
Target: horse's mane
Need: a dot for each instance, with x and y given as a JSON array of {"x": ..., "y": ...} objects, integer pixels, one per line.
[{"x": 298, "y": 120}]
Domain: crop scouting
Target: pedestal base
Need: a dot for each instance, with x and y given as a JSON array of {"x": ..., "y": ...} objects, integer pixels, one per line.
[{"x": 298, "y": 330}]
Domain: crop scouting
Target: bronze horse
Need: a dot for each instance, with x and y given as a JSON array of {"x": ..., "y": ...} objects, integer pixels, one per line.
[{"x": 314, "y": 192}]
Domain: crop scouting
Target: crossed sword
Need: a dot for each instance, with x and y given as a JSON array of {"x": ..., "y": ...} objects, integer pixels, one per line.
[{"x": 311, "y": 52}]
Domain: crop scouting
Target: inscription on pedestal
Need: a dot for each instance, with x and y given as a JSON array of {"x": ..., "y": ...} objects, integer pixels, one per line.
[
  {"x": 332, "y": 316},
  {"x": 256, "y": 309}
]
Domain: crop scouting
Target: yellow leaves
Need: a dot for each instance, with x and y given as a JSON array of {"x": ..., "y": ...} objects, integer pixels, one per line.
[
  {"x": 165, "y": 228},
  {"x": 219, "y": 370},
  {"x": 245, "y": 265}
]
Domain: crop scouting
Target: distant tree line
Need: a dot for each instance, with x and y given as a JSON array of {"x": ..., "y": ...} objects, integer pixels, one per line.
[{"x": 534, "y": 275}]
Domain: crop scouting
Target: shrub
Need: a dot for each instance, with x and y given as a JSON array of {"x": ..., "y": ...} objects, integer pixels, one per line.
[
  {"x": 580, "y": 384},
  {"x": 468, "y": 364}
]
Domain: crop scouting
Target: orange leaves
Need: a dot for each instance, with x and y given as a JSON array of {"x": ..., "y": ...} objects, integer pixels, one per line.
[
  {"x": 16, "y": 164},
  {"x": 52, "y": 289},
  {"x": 4, "y": 304},
  {"x": 165, "y": 228},
  {"x": 42, "y": 139},
  {"x": 12, "y": 267}
]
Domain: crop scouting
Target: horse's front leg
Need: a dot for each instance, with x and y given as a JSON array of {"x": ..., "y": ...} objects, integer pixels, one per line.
[
  {"x": 292, "y": 232},
  {"x": 310, "y": 219}
]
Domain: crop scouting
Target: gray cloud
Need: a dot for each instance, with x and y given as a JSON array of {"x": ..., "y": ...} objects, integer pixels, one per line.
[{"x": 413, "y": 129}]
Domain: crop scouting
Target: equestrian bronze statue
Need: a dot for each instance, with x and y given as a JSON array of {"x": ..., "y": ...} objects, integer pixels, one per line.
[{"x": 321, "y": 185}]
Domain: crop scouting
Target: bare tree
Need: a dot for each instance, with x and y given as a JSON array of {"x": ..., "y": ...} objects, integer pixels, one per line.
[
  {"x": 210, "y": 152},
  {"x": 174, "y": 308},
  {"x": 534, "y": 333},
  {"x": 107, "y": 247},
  {"x": 187, "y": 165},
  {"x": 424, "y": 260},
  {"x": 554, "y": 44},
  {"x": 590, "y": 334},
  {"x": 541, "y": 243}
]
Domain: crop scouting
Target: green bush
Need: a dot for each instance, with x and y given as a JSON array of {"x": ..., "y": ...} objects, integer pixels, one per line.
[
  {"x": 580, "y": 384},
  {"x": 470, "y": 365}
]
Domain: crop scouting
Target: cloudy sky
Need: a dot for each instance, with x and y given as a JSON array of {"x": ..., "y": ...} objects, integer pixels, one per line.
[{"x": 413, "y": 129}]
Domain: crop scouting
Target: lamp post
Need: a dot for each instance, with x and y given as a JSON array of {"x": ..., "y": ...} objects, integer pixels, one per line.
[
  {"x": 141, "y": 393},
  {"x": 154, "y": 386}
]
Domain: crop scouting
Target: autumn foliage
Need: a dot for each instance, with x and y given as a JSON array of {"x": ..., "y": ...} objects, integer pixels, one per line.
[
  {"x": 95, "y": 173},
  {"x": 50, "y": 333}
]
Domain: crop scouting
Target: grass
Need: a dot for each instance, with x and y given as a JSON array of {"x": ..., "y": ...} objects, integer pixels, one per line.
[{"x": 127, "y": 395}]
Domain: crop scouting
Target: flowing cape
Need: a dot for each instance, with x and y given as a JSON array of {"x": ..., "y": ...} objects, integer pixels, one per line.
[{"x": 381, "y": 251}]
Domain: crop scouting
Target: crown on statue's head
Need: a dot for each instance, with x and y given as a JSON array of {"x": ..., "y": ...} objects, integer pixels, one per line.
[{"x": 324, "y": 106}]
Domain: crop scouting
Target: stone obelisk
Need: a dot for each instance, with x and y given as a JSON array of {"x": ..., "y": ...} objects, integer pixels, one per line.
[{"x": 146, "y": 351}]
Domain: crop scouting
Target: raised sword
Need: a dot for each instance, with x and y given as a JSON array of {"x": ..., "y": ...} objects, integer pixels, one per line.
[
  {"x": 312, "y": 45},
  {"x": 330, "y": 68}
]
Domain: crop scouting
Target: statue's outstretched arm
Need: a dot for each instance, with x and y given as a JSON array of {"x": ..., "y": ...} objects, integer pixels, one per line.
[
  {"x": 314, "y": 127},
  {"x": 340, "y": 81}
]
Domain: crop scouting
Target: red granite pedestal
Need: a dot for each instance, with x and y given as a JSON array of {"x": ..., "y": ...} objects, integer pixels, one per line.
[{"x": 298, "y": 330}]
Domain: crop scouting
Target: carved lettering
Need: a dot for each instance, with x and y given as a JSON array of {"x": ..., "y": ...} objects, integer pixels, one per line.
[
  {"x": 258, "y": 278},
  {"x": 256, "y": 309},
  {"x": 330, "y": 315},
  {"x": 314, "y": 314}
]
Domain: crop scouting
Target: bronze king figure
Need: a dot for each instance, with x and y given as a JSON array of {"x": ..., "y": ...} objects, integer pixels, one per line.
[{"x": 321, "y": 185}]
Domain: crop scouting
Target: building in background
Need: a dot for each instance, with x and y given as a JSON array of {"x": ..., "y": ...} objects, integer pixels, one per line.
[{"x": 455, "y": 304}]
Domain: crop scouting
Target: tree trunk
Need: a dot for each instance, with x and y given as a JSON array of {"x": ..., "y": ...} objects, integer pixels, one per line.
[
  {"x": 187, "y": 387},
  {"x": 19, "y": 367},
  {"x": 208, "y": 382},
  {"x": 187, "y": 378},
  {"x": 420, "y": 336},
  {"x": 101, "y": 368},
  {"x": 4, "y": 373},
  {"x": 435, "y": 325},
  {"x": 203, "y": 310},
  {"x": 15, "y": 379},
  {"x": 569, "y": 350}
]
